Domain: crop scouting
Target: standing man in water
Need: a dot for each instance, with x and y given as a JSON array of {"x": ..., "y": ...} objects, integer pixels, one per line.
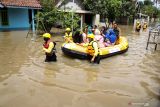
[
  {"x": 145, "y": 26},
  {"x": 49, "y": 48},
  {"x": 138, "y": 26},
  {"x": 68, "y": 35},
  {"x": 92, "y": 48}
]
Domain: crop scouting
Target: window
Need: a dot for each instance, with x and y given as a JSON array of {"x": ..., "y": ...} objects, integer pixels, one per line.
[
  {"x": 102, "y": 18},
  {"x": 4, "y": 17}
]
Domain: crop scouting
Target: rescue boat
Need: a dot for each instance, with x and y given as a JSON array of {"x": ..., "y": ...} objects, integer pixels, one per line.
[{"x": 77, "y": 51}]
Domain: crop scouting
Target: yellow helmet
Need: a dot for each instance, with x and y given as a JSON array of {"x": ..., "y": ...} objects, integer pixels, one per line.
[
  {"x": 68, "y": 29},
  {"x": 46, "y": 35},
  {"x": 90, "y": 36},
  {"x": 138, "y": 22}
]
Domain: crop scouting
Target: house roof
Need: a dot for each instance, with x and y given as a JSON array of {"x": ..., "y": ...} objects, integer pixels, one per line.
[
  {"x": 70, "y": 6},
  {"x": 78, "y": 11},
  {"x": 21, "y": 3}
]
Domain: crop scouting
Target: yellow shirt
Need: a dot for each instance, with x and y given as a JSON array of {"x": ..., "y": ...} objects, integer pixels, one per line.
[
  {"x": 95, "y": 46},
  {"x": 51, "y": 46},
  {"x": 144, "y": 26},
  {"x": 68, "y": 37}
]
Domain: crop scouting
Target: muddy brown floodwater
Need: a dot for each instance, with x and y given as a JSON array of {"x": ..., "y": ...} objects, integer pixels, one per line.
[{"x": 131, "y": 79}]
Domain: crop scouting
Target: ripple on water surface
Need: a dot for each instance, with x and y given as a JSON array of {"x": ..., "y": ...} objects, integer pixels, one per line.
[{"x": 127, "y": 78}]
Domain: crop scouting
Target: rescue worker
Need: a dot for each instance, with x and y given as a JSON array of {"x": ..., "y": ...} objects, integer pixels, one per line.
[
  {"x": 145, "y": 26},
  {"x": 49, "y": 48},
  {"x": 68, "y": 35},
  {"x": 93, "y": 50},
  {"x": 138, "y": 26}
]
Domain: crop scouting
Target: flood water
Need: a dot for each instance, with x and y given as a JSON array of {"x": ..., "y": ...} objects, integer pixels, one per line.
[{"x": 131, "y": 79}]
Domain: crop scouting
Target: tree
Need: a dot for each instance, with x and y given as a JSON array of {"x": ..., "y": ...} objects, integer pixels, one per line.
[
  {"x": 50, "y": 16},
  {"x": 71, "y": 21},
  {"x": 128, "y": 8},
  {"x": 98, "y": 7},
  {"x": 113, "y": 9},
  {"x": 148, "y": 8},
  {"x": 106, "y": 8},
  {"x": 148, "y": 2}
]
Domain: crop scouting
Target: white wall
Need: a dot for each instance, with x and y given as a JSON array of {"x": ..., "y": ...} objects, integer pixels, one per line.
[{"x": 96, "y": 20}]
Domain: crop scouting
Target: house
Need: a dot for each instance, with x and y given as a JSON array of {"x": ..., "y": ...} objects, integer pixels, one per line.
[
  {"x": 77, "y": 6},
  {"x": 17, "y": 14}
]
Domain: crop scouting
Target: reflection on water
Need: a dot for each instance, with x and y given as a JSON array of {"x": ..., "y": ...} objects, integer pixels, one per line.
[{"x": 131, "y": 79}]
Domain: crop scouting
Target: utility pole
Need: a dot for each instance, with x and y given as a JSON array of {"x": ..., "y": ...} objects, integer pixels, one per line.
[
  {"x": 72, "y": 16},
  {"x": 64, "y": 12}
]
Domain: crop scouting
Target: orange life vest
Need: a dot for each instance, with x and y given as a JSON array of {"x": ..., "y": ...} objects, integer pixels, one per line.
[{"x": 90, "y": 48}]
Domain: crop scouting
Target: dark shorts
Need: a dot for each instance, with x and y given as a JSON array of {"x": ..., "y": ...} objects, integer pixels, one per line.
[
  {"x": 137, "y": 30},
  {"x": 50, "y": 58},
  {"x": 96, "y": 60}
]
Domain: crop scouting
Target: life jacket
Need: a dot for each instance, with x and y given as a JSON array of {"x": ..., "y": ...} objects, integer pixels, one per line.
[
  {"x": 46, "y": 45},
  {"x": 144, "y": 26},
  {"x": 69, "y": 35},
  {"x": 90, "y": 48},
  {"x": 138, "y": 26}
]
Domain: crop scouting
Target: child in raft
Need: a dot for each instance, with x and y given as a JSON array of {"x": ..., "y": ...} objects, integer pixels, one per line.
[{"x": 99, "y": 39}]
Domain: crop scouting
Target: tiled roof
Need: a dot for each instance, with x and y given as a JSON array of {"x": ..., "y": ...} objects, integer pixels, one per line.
[{"x": 21, "y": 3}]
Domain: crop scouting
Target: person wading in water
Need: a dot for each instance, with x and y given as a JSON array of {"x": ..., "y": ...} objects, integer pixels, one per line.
[
  {"x": 49, "y": 48},
  {"x": 68, "y": 35},
  {"x": 145, "y": 26},
  {"x": 138, "y": 26},
  {"x": 92, "y": 48}
]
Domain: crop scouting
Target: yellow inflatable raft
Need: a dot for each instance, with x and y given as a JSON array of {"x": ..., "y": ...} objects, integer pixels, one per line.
[{"x": 74, "y": 50}]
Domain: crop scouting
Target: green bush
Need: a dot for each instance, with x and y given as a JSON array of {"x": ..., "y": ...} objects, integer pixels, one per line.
[
  {"x": 50, "y": 16},
  {"x": 71, "y": 20}
]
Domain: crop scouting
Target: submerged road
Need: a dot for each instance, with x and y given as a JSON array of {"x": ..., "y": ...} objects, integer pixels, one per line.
[{"x": 131, "y": 79}]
